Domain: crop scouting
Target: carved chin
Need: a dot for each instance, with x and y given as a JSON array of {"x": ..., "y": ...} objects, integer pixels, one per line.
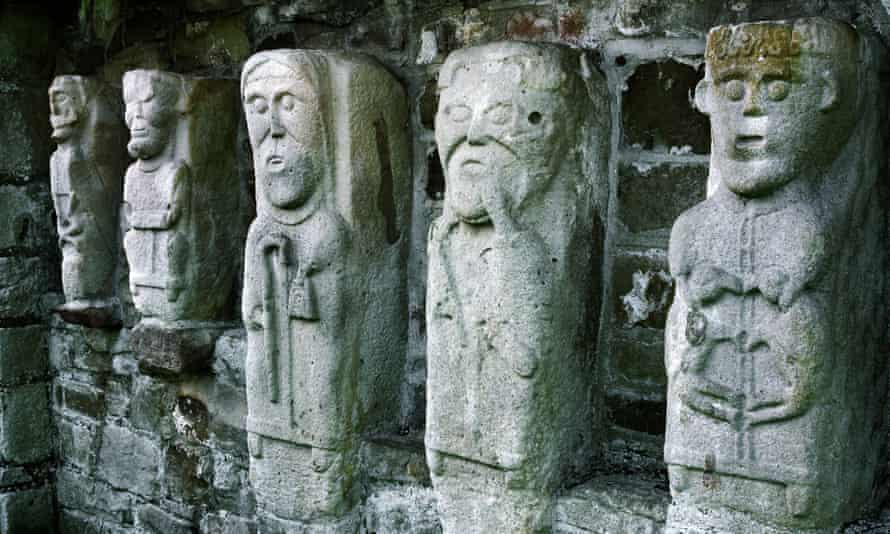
[{"x": 145, "y": 147}]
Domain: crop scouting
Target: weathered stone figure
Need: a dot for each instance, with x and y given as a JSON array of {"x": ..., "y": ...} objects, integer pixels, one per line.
[
  {"x": 181, "y": 196},
  {"x": 324, "y": 280},
  {"x": 86, "y": 173},
  {"x": 509, "y": 375},
  {"x": 776, "y": 387}
]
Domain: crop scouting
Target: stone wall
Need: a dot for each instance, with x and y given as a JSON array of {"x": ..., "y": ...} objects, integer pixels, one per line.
[{"x": 134, "y": 453}]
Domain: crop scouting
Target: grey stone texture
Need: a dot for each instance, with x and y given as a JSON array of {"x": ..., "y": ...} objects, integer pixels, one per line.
[
  {"x": 324, "y": 293},
  {"x": 179, "y": 198},
  {"x": 509, "y": 362},
  {"x": 651, "y": 53},
  {"x": 776, "y": 410},
  {"x": 87, "y": 180}
]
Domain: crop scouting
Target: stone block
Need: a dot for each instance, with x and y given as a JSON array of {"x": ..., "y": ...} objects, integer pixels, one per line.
[
  {"x": 657, "y": 110},
  {"x": 401, "y": 510},
  {"x": 77, "y": 443},
  {"x": 642, "y": 287},
  {"x": 25, "y": 426},
  {"x": 188, "y": 472},
  {"x": 170, "y": 351},
  {"x": 638, "y": 407},
  {"x": 612, "y": 504},
  {"x": 223, "y": 522},
  {"x": 27, "y": 511},
  {"x": 76, "y": 522},
  {"x": 129, "y": 461},
  {"x": 29, "y": 214},
  {"x": 154, "y": 519},
  {"x": 77, "y": 491},
  {"x": 82, "y": 349},
  {"x": 74, "y": 398},
  {"x": 217, "y": 42},
  {"x": 152, "y": 404},
  {"x": 15, "y": 475},
  {"x": 637, "y": 358},
  {"x": 25, "y": 283},
  {"x": 24, "y": 354},
  {"x": 395, "y": 459},
  {"x": 24, "y": 154},
  {"x": 652, "y": 195}
]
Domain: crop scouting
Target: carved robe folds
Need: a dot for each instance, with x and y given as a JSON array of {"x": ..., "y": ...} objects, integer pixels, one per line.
[
  {"x": 511, "y": 259},
  {"x": 86, "y": 174},
  {"x": 776, "y": 386},
  {"x": 181, "y": 198},
  {"x": 324, "y": 292}
]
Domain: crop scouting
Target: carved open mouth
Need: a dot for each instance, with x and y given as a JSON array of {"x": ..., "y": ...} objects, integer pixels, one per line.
[
  {"x": 139, "y": 132},
  {"x": 750, "y": 142},
  {"x": 275, "y": 162},
  {"x": 472, "y": 168}
]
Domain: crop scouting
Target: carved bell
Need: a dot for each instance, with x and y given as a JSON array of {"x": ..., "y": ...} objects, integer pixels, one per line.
[{"x": 301, "y": 299}]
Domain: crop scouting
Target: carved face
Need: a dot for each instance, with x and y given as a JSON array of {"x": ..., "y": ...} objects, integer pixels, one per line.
[
  {"x": 150, "y": 114},
  {"x": 773, "y": 118},
  {"x": 494, "y": 132},
  {"x": 66, "y": 108},
  {"x": 284, "y": 121}
]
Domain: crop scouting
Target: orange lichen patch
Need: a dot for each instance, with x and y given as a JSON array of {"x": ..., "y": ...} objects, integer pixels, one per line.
[
  {"x": 571, "y": 25},
  {"x": 527, "y": 25}
]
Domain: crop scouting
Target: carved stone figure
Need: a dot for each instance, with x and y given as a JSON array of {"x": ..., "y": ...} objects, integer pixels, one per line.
[
  {"x": 86, "y": 173},
  {"x": 509, "y": 369},
  {"x": 324, "y": 289},
  {"x": 776, "y": 385},
  {"x": 181, "y": 198}
]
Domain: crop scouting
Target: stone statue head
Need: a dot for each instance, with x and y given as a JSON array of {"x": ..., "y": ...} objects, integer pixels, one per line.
[
  {"x": 154, "y": 100},
  {"x": 284, "y": 102},
  {"x": 783, "y": 99},
  {"x": 503, "y": 122},
  {"x": 67, "y": 107}
]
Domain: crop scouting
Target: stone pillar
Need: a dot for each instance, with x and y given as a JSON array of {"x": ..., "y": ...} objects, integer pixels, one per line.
[
  {"x": 87, "y": 176},
  {"x": 777, "y": 388},
  {"x": 510, "y": 370},
  {"x": 324, "y": 298},
  {"x": 181, "y": 200}
]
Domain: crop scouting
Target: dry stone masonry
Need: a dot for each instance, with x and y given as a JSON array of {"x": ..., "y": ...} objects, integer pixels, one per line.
[{"x": 444, "y": 267}]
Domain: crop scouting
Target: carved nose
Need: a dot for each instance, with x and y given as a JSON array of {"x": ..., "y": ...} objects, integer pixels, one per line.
[
  {"x": 275, "y": 127},
  {"x": 753, "y": 102},
  {"x": 476, "y": 135}
]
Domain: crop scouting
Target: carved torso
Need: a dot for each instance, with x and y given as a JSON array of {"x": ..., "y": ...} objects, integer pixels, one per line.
[{"x": 300, "y": 347}]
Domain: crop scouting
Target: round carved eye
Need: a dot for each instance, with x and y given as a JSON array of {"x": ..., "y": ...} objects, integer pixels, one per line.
[
  {"x": 777, "y": 90},
  {"x": 734, "y": 89},
  {"x": 458, "y": 113},
  {"x": 500, "y": 114},
  {"x": 288, "y": 102},
  {"x": 259, "y": 105},
  {"x": 535, "y": 117}
]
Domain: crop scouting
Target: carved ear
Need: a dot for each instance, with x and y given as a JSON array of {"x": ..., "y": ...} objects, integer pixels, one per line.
[
  {"x": 702, "y": 96},
  {"x": 830, "y": 92}
]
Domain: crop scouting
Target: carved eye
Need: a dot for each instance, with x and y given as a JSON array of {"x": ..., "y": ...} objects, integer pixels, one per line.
[
  {"x": 535, "y": 117},
  {"x": 500, "y": 114},
  {"x": 734, "y": 90},
  {"x": 259, "y": 105},
  {"x": 458, "y": 113},
  {"x": 777, "y": 90},
  {"x": 288, "y": 102}
]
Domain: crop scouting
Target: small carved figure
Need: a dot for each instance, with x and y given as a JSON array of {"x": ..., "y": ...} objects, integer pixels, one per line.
[
  {"x": 86, "y": 186},
  {"x": 772, "y": 336},
  {"x": 509, "y": 272},
  {"x": 180, "y": 196},
  {"x": 322, "y": 274}
]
